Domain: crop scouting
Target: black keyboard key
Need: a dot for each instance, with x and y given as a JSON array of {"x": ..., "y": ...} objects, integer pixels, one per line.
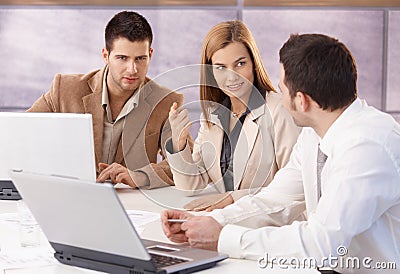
[{"x": 163, "y": 261}]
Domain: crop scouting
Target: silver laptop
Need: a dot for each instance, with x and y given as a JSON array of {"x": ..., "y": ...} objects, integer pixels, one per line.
[
  {"x": 49, "y": 143},
  {"x": 87, "y": 226}
]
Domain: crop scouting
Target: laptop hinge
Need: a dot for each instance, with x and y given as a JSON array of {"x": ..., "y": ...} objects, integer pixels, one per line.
[
  {"x": 8, "y": 191},
  {"x": 102, "y": 261}
]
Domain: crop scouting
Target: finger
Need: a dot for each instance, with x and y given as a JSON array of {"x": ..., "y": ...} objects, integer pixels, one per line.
[
  {"x": 102, "y": 166},
  {"x": 201, "y": 208},
  {"x": 210, "y": 208},
  {"x": 184, "y": 112},
  {"x": 190, "y": 223},
  {"x": 178, "y": 238},
  {"x": 190, "y": 206},
  {"x": 195, "y": 203},
  {"x": 108, "y": 168},
  {"x": 173, "y": 110},
  {"x": 185, "y": 122},
  {"x": 113, "y": 176},
  {"x": 164, "y": 216},
  {"x": 174, "y": 214},
  {"x": 171, "y": 229},
  {"x": 109, "y": 173},
  {"x": 125, "y": 178},
  {"x": 104, "y": 175},
  {"x": 118, "y": 172}
]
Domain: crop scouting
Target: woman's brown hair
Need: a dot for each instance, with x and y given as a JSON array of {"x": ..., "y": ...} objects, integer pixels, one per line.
[{"x": 218, "y": 38}]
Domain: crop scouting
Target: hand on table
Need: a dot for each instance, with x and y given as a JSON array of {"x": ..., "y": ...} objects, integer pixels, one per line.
[
  {"x": 116, "y": 173},
  {"x": 199, "y": 231},
  {"x": 210, "y": 202}
]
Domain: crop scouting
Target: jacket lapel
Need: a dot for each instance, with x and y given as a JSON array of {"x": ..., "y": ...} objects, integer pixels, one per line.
[
  {"x": 212, "y": 153},
  {"x": 92, "y": 105},
  {"x": 245, "y": 144}
]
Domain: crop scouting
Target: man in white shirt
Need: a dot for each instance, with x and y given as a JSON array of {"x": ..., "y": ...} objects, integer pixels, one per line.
[{"x": 352, "y": 205}]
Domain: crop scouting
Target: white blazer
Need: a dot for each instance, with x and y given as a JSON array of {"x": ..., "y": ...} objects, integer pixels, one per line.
[{"x": 264, "y": 146}]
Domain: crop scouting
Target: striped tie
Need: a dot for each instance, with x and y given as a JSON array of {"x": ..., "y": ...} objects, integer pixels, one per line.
[{"x": 321, "y": 159}]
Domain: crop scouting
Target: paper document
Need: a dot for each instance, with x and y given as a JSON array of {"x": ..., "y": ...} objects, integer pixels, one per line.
[
  {"x": 141, "y": 218},
  {"x": 17, "y": 257},
  {"x": 23, "y": 258}
]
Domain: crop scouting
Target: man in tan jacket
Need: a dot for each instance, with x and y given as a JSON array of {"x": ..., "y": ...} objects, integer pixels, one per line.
[{"x": 129, "y": 110}]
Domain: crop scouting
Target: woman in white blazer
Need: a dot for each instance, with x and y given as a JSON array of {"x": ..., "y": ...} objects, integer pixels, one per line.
[{"x": 245, "y": 133}]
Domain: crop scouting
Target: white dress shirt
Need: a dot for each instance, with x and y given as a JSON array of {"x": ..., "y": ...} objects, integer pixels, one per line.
[{"x": 358, "y": 212}]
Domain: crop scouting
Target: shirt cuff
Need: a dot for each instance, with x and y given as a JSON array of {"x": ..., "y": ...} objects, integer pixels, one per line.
[
  {"x": 218, "y": 216},
  {"x": 230, "y": 240}
]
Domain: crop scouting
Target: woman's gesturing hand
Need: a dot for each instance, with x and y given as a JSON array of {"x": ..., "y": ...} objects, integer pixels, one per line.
[{"x": 180, "y": 126}]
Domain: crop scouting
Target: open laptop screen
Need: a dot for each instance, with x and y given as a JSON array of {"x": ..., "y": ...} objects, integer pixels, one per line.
[{"x": 52, "y": 143}]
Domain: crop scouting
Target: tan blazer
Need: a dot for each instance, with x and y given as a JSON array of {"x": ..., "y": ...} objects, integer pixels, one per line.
[
  {"x": 144, "y": 129},
  {"x": 264, "y": 146}
]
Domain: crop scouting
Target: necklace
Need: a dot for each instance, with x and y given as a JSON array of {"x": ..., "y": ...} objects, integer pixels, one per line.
[{"x": 238, "y": 114}]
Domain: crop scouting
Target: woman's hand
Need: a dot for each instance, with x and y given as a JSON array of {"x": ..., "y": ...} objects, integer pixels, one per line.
[
  {"x": 210, "y": 202},
  {"x": 180, "y": 126}
]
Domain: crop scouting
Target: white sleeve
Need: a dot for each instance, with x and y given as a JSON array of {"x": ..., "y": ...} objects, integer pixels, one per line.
[
  {"x": 279, "y": 203},
  {"x": 366, "y": 182}
]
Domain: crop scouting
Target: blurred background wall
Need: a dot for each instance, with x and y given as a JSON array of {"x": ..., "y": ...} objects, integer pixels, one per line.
[{"x": 41, "y": 38}]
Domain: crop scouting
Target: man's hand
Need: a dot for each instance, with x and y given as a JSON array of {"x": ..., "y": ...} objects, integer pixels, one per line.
[
  {"x": 201, "y": 232},
  {"x": 180, "y": 126},
  {"x": 173, "y": 230},
  {"x": 210, "y": 202},
  {"x": 116, "y": 173}
]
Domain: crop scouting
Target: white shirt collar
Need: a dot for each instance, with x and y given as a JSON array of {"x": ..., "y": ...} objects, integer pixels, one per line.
[{"x": 327, "y": 142}]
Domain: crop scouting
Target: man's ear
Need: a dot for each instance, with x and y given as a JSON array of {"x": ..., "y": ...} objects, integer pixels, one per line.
[
  {"x": 104, "y": 54},
  {"x": 303, "y": 100},
  {"x": 150, "y": 52}
]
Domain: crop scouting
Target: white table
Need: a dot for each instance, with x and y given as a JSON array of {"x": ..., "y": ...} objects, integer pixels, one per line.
[{"x": 131, "y": 199}]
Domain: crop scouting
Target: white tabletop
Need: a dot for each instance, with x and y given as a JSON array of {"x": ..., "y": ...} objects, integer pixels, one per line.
[{"x": 153, "y": 201}]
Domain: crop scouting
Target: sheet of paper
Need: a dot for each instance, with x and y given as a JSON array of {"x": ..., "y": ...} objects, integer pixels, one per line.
[
  {"x": 14, "y": 258},
  {"x": 9, "y": 218},
  {"x": 29, "y": 257},
  {"x": 141, "y": 218}
]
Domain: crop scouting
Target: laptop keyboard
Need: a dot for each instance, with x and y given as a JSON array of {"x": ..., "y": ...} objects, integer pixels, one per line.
[{"x": 163, "y": 261}]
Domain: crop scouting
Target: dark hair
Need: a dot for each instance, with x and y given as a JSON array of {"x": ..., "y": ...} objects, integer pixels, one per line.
[
  {"x": 130, "y": 25},
  {"x": 321, "y": 67}
]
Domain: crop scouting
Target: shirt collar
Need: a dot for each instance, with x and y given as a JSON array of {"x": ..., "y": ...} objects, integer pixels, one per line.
[
  {"x": 334, "y": 131},
  {"x": 128, "y": 107},
  {"x": 104, "y": 92}
]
